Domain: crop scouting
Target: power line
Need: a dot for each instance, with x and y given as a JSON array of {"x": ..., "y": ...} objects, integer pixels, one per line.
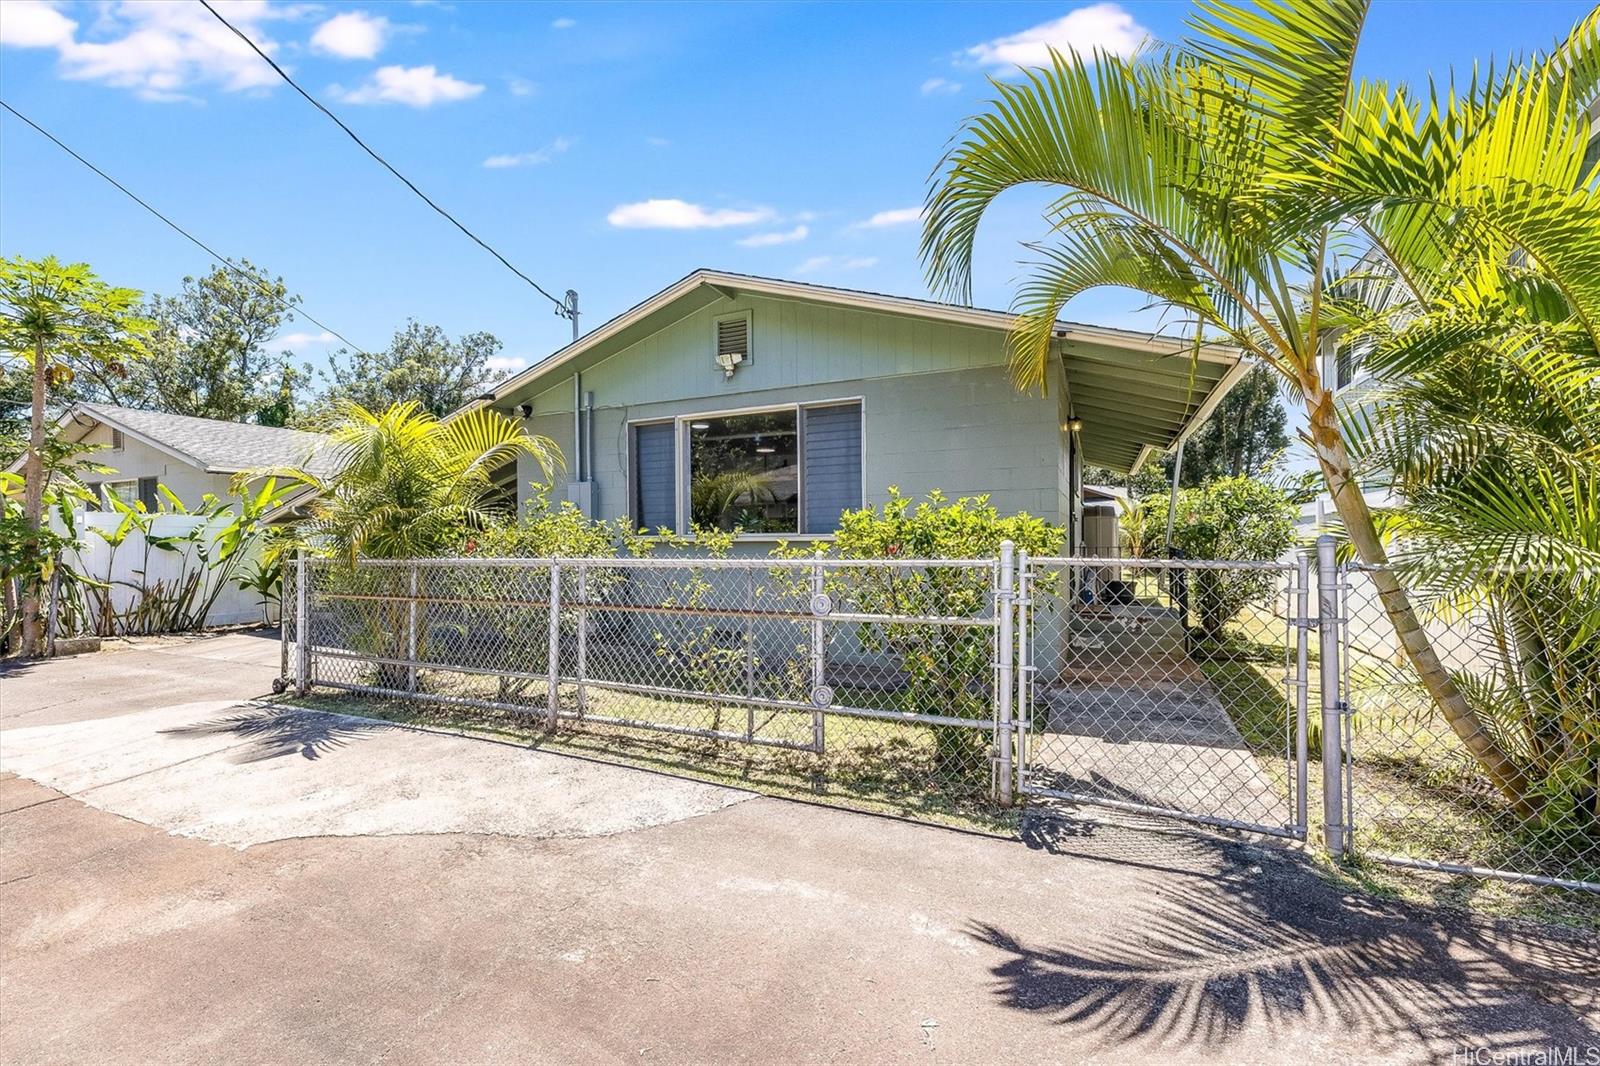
[
  {"x": 562, "y": 307},
  {"x": 293, "y": 309}
]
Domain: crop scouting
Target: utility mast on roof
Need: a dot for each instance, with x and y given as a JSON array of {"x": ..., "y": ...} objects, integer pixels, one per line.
[{"x": 570, "y": 310}]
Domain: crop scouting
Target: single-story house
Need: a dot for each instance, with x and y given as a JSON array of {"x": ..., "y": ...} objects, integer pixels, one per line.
[
  {"x": 774, "y": 406},
  {"x": 190, "y": 456}
]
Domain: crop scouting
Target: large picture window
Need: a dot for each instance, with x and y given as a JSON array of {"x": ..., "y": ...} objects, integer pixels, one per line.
[
  {"x": 780, "y": 472},
  {"x": 744, "y": 472}
]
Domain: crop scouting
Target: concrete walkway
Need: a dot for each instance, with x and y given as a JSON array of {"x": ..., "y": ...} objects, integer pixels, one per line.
[{"x": 761, "y": 931}]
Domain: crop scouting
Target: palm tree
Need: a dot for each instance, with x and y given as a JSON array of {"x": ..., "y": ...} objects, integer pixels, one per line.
[
  {"x": 408, "y": 484},
  {"x": 712, "y": 496},
  {"x": 1494, "y": 445},
  {"x": 1242, "y": 178}
]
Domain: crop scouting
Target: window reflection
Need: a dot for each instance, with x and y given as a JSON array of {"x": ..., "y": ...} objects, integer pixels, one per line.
[{"x": 744, "y": 472}]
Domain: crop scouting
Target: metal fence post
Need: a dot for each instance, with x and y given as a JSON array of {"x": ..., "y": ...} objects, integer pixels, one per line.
[
  {"x": 1333, "y": 825},
  {"x": 302, "y": 633},
  {"x": 411, "y": 631},
  {"x": 553, "y": 697},
  {"x": 1004, "y": 651},
  {"x": 284, "y": 626},
  {"x": 1302, "y": 684},
  {"x": 583, "y": 637},
  {"x": 819, "y": 673},
  {"x": 1024, "y": 709}
]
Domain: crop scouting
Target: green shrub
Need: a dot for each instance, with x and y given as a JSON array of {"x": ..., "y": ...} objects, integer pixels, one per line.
[
  {"x": 947, "y": 667},
  {"x": 1232, "y": 518}
]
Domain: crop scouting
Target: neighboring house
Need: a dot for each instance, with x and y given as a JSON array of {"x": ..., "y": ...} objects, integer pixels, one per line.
[
  {"x": 774, "y": 406},
  {"x": 190, "y": 456}
]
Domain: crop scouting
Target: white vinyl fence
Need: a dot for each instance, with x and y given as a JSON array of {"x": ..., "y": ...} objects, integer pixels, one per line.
[{"x": 121, "y": 575}]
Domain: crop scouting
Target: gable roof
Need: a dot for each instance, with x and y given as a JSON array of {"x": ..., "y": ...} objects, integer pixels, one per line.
[
  {"x": 1137, "y": 393},
  {"x": 213, "y": 446}
]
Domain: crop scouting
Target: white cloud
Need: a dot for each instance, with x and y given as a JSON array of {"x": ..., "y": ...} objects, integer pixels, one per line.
[
  {"x": 836, "y": 263},
  {"x": 505, "y": 362},
  {"x": 657, "y": 142},
  {"x": 352, "y": 35},
  {"x": 294, "y": 342},
  {"x": 767, "y": 240},
  {"x": 412, "y": 86},
  {"x": 1103, "y": 26},
  {"x": 680, "y": 214},
  {"x": 940, "y": 87},
  {"x": 898, "y": 216},
  {"x": 530, "y": 159},
  {"x": 521, "y": 86},
  {"x": 35, "y": 24},
  {"x": 156, "y": 50},
  {"x": 563, "y": 24}
]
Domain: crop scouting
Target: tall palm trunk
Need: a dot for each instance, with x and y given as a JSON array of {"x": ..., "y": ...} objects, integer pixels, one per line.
[
  {"x": 33, "y": 505},
  {"x": 1326, "y": 438}
]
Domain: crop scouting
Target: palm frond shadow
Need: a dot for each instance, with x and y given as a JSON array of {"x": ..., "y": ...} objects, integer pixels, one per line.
[
  {"x": 275, "y": 734},
  {"x": 1252, "y": 942}
]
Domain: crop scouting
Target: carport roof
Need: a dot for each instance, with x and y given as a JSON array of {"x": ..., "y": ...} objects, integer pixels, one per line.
[{"x": 1136, "y": 394}]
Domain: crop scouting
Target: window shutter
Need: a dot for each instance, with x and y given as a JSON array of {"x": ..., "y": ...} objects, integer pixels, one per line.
[
  {"x": 147, "y": 494},
  {"x": 116, "y": 440},
  {"x": 733, "y": 338},
  {"x": 655, "y": 476},
  {"x": 832, "y": 465}
]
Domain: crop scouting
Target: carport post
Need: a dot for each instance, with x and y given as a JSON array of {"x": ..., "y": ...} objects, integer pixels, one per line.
[
  {"x": 555, "y": 643},
  {"x": 1004, "y": 652},
  {"x": 302, "y": 637},
  {"x": 1333, "y": 827}
]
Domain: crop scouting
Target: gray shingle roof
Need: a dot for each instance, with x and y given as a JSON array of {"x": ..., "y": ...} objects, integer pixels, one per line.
[{"x": 222, "y": 447}]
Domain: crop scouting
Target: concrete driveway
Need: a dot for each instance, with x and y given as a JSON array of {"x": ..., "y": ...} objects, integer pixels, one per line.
[{"x": 417, "y": 898}]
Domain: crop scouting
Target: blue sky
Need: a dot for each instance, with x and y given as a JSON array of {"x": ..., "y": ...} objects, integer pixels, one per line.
[{"x": 609, "y": 148}]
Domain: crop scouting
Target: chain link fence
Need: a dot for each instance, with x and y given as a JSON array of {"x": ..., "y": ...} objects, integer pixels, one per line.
[
  {"x": 875, "y": 680},
  {"x": 1174, "y": 687},
  {"x": 1510, "y": 787},
  {"x": 1224, "y": 693}
]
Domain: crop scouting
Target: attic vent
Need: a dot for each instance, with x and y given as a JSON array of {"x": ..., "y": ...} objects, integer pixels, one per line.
[
  {"x": 116, "y": 440},
  {"x": 733, "y": 342}
]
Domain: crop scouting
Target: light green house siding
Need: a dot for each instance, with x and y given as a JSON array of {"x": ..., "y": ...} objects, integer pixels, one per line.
[{"x": 938, "y": 408}]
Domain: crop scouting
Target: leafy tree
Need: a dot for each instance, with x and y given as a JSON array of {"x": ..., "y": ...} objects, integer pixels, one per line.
[
  {"x": 1242, "y": 178},
  {"x": 61, "y": 320},
  {"x": 421, "y": 365},
  {"x": 1230, "y": 518},
  {"x": 208, "y": 352},
  {"x": 1243, "y": 435}
]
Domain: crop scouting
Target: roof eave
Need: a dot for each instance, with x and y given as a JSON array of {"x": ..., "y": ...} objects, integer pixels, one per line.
[{"x": 732, "y": 284}]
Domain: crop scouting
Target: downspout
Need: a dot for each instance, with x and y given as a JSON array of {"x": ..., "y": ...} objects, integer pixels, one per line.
[
  {"x": 577, "y": 423},
  {"x": 588, "y": 463}
]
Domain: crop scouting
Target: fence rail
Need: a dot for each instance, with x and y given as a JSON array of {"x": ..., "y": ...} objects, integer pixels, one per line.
[{"x": 1227, "y": 693}]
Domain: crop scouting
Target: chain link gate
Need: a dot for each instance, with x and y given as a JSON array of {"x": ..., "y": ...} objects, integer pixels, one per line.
[
  {"x": 1169, "y": 687},
  {"x": 885, "y": 672}
]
